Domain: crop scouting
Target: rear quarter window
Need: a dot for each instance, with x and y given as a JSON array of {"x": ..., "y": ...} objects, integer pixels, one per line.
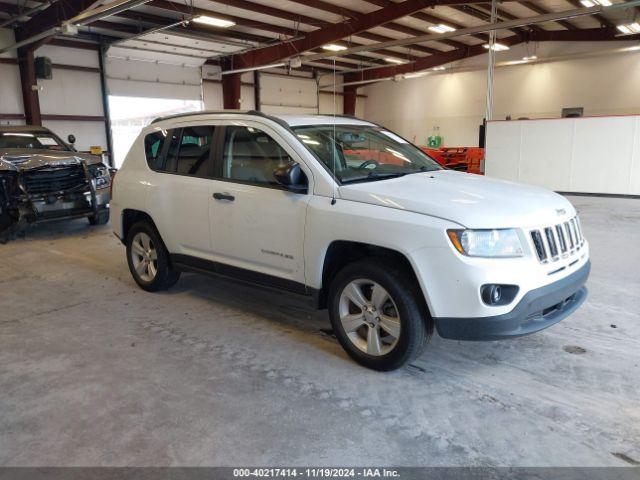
[{"x": 153, "y": 143}]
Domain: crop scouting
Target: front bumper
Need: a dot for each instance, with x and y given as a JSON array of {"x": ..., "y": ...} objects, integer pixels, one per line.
[
  {"x": 537, "y": 310},
  {"x": 69, "y": 206}
]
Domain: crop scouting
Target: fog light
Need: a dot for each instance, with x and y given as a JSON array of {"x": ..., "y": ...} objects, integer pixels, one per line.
[{"x": 496, "y": 295}]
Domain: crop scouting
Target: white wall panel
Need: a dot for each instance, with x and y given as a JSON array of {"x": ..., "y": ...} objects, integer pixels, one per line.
[
  {"x": 247, "y": 98},
  {"x": 330, "y": 105},
  {"x": 71, "y": 92},
  {"x": 603, "y": 154},
  {"x": 87, "y": 134},
  {"x": 634, "y": 178},
  {"x": 590, "y": 155},
  {"x": 10, "y": 91},
  {"x": 546, "y": 153},
  {"x": 212, "y": 95}
]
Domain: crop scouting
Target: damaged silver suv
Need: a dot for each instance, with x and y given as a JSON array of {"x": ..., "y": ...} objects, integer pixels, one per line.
[{"x": 43, "y": 178}]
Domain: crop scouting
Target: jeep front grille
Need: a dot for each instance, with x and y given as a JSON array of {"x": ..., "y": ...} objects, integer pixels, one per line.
[
  {"x": 54, "y": 180},
  {"x": 557, "y": 241}
]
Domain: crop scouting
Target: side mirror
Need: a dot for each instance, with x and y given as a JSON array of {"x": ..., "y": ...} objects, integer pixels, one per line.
[
  {"x": 292, "y": 177},
  {"x": 71, "y": 139}
]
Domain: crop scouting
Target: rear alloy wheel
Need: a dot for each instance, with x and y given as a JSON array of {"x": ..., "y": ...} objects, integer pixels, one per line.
[
  {"x": 144, "y": 257},
  {"x": 376, "y": 314},
  {"x": 148, "y": 259}
]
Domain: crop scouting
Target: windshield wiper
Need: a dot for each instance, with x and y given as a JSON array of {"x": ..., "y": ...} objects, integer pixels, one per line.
[{"x": 374, "y": 176}]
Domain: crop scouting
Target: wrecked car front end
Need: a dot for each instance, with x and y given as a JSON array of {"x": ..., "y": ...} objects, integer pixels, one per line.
[{"x": 40, "y": 187}]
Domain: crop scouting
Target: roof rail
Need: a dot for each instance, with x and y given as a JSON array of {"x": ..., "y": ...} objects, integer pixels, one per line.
[
  {"x": 199, "y": 112},
  {"x": 257, "y": 113}
]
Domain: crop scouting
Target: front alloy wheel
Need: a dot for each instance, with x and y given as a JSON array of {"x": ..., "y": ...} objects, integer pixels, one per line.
[
  {"x": 369, "y": 317},
  {"x": 378, "y": 313}
]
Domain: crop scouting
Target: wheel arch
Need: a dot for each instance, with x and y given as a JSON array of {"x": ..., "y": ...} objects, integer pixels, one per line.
[
  {"x": 132, "y": 216},
  {"x": 343, "y": 252}
]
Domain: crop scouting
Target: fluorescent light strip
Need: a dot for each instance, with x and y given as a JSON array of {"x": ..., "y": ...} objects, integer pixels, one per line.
[
  {"x": 630, "y": 28},
  {"x": 394, "y": 60},
  {"x": 593, "y": 3},
  {"x": 332, "y": 47},
  {"x": 497, "y": 47},
  {"x": 213, "y": 21},
  {"x": 442, "y": 28}
]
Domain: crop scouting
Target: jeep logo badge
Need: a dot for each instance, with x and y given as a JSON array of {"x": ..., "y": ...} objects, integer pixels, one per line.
[{"x": 561, "y": 211}]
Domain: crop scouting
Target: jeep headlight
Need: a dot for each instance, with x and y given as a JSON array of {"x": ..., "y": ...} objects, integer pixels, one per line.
[
  {"x": 100, "y": 175},
  {"x": 501, "y": 243}
]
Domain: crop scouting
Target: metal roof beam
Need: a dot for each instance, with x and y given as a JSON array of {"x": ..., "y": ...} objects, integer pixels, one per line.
[{"x": 331, "y": 33}]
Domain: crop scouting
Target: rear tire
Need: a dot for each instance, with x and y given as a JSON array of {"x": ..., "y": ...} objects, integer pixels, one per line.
[
  {"x": 148, "y": 259},
  {"x": 394, "y": 326},
  {"x": 100, "y": 218}
]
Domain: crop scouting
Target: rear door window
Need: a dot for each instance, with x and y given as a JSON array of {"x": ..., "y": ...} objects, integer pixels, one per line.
[{"x": 194, "y": 153}]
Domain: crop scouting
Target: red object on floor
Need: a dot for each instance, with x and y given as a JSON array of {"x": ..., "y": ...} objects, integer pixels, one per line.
[{"x": 462, "y": 159}]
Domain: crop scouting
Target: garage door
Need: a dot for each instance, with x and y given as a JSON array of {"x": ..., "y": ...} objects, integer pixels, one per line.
[{"x": 283, "y": 94}]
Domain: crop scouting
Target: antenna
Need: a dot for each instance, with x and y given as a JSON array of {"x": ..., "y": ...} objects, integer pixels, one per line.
[{"x": 335, "y": 146}]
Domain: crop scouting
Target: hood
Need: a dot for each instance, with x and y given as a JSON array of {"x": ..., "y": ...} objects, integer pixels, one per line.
[
  {"x": 13, "y": 160},
  {"x": 473, "y": 201}
]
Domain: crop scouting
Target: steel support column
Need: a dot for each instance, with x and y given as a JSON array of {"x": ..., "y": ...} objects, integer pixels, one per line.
[
  {"x": 29, "y": 84},
  {"x": 491, "y": 60},
  {"x": 350, "y": 94},
  {"x": 105, "y": 104},
  {"x": 231, "y": 86},
  {"x": 256, "y": 90}
]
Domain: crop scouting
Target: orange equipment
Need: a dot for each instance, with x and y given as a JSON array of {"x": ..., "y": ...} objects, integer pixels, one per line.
[{"x": 463, "y": 159}]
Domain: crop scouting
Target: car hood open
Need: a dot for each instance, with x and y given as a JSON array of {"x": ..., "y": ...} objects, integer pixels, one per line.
[
  {"x": 473, "y": 201},
  {"x": 16, "y": 160}
]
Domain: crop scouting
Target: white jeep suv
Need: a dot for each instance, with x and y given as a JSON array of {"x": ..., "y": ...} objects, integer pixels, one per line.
[{"x": 354, "y": 217}]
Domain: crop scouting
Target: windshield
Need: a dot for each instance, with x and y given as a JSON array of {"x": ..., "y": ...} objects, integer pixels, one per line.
[
  {"x": 34, "y": 141},
  {"x": 364, "y": 153}
]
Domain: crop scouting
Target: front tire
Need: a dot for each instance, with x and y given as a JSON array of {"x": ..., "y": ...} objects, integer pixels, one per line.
[
  {"x": 148, "y": 259},
  {"x": 376, "y": 314}
]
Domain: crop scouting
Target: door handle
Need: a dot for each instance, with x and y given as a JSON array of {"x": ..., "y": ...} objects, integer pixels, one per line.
[{"x": 224, "y": 196}]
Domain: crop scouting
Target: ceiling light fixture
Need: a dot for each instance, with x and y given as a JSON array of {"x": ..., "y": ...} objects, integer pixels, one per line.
[
  {"x": 442, "y": 28},
  {"x": 415, "y": 74},
  {"x": 593, "y": 3},
  {"x": 439, "y": 69},
  {"x": 397, "y": 61},
  {"x": 630, "y": 28},
  {"x": 334, "y": 47},
  {"x": 530, "y": 57},
  {"x": 213, "y": 21},
  {"x": 497, "y": 47}
]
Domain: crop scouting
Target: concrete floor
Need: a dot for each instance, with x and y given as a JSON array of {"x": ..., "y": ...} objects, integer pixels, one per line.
[{"x": 94, "y": 371}]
